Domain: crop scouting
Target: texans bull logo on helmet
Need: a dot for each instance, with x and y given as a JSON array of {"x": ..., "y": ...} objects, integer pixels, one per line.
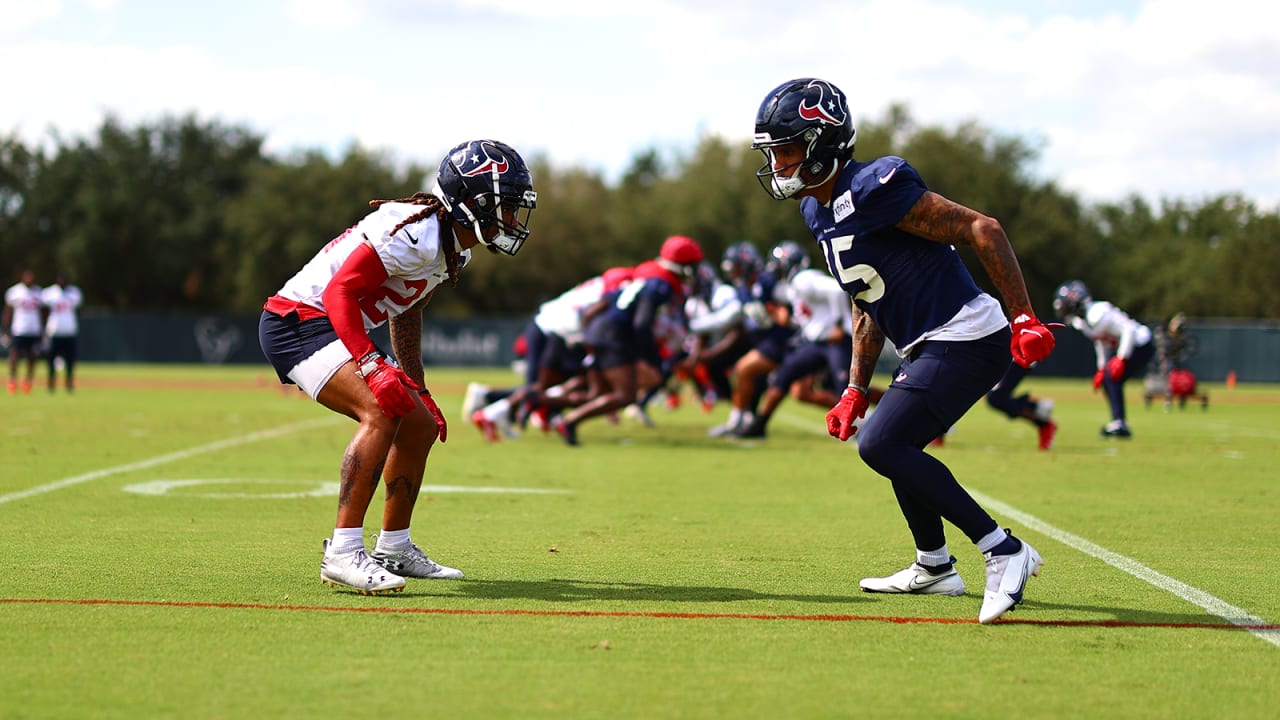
[
  {"x": 478, "y": 163},
  {"x": 823, "y": 104}
]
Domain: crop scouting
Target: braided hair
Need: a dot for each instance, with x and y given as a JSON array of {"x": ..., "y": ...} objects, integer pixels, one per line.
[{"x": 431, "y": 206}]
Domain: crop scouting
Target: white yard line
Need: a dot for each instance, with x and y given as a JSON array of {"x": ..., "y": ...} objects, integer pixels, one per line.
[
  {"x": 166, "y": 458},
  {"x": 1209, "y": 603}
]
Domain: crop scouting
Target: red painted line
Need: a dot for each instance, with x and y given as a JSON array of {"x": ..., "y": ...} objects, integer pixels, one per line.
[{"x": 386, "y": 610}]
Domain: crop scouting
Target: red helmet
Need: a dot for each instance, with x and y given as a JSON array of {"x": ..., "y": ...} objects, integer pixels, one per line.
[{"x": 681, "y": 250}]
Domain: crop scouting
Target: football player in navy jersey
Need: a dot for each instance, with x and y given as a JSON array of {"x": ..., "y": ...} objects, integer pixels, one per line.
[
  {"x": 890, "y": 241},
  {"x": 619, "y": 331}
]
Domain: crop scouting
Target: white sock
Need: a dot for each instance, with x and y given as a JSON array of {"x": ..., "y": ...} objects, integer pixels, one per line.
[
  {"x": 347, "y": 539},
  {"x": 941, "y": 556},
  {"x": 388, "y": 539},
  {"x": 992, "y": 539},
  {"x": 735, "y": 416},
  {"x": 496, "y": 410}
]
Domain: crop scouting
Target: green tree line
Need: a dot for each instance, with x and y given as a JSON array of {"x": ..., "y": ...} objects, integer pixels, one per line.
[{"x": 191, "y": 215}]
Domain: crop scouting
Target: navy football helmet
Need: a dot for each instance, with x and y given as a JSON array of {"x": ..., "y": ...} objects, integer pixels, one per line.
[
  {"x": 483, "y": 184},
  {"x": 1071, "y": 299},
  {"x": 813, "y": 114},
  {"x": 741, "y": 261},
  {"x": 787, "y": 259}
]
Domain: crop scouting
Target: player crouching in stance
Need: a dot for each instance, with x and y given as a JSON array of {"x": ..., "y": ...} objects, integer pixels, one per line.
[
  {"x": 888, "y": 240},
  {"x": 315, "y": 332}
]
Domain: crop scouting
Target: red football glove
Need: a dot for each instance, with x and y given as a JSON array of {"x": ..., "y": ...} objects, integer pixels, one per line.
[
  {"x": 1097, "y": 380},
  {"x": 853, "y": 405},
  {"x": 1032, "y": 340},
  {"x": 390, "y": 386},
  {"x": 1115, "y": 368},
  {"x": 442, "y": 427}
]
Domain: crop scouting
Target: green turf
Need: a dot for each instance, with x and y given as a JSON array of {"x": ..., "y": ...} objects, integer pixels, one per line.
[{"x": 717, "y": 560}]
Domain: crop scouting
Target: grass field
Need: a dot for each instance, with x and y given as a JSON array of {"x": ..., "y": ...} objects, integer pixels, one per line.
[{"x": 162, "y": 531}]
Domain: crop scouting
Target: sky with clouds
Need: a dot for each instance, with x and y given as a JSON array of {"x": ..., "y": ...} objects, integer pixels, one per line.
[{"x": 1168, "y": 99}]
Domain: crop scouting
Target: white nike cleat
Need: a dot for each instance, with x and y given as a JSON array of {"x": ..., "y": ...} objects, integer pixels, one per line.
[
  {"x": 916, "y": 580},
  {"x": 473, "y": 399},
  {"x": 358, "y": 571},
  {"x": 413, "y": 562},
  {"x": 1006, "y": 577}
]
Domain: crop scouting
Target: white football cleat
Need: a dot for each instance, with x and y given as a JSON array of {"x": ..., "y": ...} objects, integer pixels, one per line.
[
  {"x": 412, "y": 562},
  {"x": 916, "y": 580},
  {"x": 358, "y": 571},
  {"x": 1007, "y": 575},
  {"x": 473, "y": 399}
]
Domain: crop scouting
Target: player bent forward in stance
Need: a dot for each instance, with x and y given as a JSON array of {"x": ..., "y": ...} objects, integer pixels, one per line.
[
  {"x": 888, "y": 240},
  {"x": 315, "y": 332}
]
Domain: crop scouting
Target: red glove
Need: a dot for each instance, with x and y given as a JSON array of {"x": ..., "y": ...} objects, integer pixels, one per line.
[
  {"x": 1115, "y": 368},
  {"x": 442, "y": 427},
  {"x": 389, "y": 384},
  {"x": 1097, "y": 380},
  {"x": 853, "y": 405},
  {"x": 1032, "y": 340}
]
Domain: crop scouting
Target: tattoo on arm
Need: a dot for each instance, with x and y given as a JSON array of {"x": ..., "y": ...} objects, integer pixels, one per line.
[
  {"x": 936, "y": 218},
  {"x": 406, "y": 343},
  {"x": 868, "y": 342}
]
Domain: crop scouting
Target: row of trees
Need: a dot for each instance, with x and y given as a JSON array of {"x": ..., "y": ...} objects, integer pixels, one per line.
[{"x": 186, "y": 215}]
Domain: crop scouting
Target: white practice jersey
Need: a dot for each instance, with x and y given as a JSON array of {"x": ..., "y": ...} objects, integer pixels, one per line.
[
  {"x": 819, "y": 304},
  {"x": 717, "y": 317},
  {"x": 562, "y": 315},
  {"x": 412, "y": 257},
  {"x": 62, "y": 303},
  {"x": 25, "y": 302},
  {"x": 1112, "y": 331}
]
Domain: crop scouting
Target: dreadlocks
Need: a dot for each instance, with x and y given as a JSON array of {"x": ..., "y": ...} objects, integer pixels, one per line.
[{"x": 432, "y": 205}]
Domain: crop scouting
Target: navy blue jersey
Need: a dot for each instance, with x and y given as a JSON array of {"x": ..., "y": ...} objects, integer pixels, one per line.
[
  {"x": 907, "y": 284},
  {"x": 632, "y": 310}
]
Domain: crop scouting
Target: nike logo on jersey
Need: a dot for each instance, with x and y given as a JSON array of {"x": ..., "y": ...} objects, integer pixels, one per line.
[
  {"x": 901, "y": 377},
  {"x": 887, "y": 177}
]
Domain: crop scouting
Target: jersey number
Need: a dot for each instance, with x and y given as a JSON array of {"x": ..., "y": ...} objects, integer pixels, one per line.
[
  {"x": 369, "y": 303},
  {"x": 858, "y": 276}
]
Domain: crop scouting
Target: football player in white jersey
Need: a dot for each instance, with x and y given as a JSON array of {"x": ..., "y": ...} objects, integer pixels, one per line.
[
  {"x": 62, "y": 328},
  {"x": 22, "y": 323},
  {"x": 1123, "y": 346},
  {"x": 315, "y": 332}
]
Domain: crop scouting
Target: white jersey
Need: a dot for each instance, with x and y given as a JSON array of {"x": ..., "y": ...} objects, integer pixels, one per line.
[
  {"x": 25, "y": 302},
  {"x": 1112, "y": 331},
  {"x": 412, "y": 257},
  {"x": 819, "y": 305},
  {"x": 716, "y": 317},
  {"x": 562, "y": 315},
  {"x": 62, "y": 303}
]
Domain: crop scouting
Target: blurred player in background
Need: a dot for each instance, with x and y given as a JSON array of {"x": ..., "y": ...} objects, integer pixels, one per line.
[
  {"x": 889, "y": 241},
  {"x": 619, "y": 331},
  {"x": 315, "y": 332},
  {"x": 554, "y": 355},
  {"x": 819, "y": 310},
  {"x": 22, "y": 323},
  {"x": 766, "y": 319},
  {"x": 1121, "y": 344},
  {"x": 61, "y": 300},
  {"x": 1024, "y": 406}
]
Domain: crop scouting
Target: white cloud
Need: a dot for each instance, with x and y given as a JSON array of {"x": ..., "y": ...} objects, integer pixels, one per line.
[
  {"x": 1166, "y": 97},
  {"x": 23, "y": 14}
]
